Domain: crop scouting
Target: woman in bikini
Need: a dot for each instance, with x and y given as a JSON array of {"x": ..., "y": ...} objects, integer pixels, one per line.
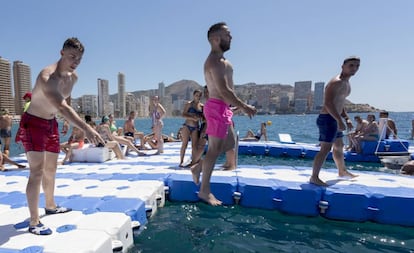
[
  {"x": 157, "y": 113},
  {"x": 110, "y": 142},
  {"x": 193, "y": 114}
]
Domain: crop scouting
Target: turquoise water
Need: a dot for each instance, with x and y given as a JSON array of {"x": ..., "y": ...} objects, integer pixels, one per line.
[
  {"x": 197, "y": 227},
  {"x": 187, "y": 227}
]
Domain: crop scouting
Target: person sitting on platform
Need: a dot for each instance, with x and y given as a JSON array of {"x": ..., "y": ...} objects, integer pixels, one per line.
[
  {"x": 391, "y": 128},
  {"x": 89, "y": 121},
  {"x": 75, "y": 141},
  {"x": 368, "y": 133},
  {"x": 110, "y": 142},
  {"x": 123, "y": 140},
  {"x": 129, "y": 129},
  {"x": 250, "y": 136},
  {"x": 361, "y": 123}
]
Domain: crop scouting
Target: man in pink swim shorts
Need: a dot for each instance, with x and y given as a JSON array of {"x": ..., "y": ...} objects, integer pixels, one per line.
[
  {"x": 218, "y": 114},
  {"x": 218, "y": 73}
]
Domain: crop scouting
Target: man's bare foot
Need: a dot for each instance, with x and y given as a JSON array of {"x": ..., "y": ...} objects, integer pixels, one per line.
[
  {"x": 2, "y": 168},
  {"x": 346, "y": 174},
  {"x": 196, "y": 171},
  {"x": 228, "y": 167},
  {"x": 209, "y": 199},
  {"x": 317, "y": 181},
  {"x": 21, "y": 166}
]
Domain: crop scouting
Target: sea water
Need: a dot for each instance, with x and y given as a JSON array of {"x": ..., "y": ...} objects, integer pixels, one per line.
[{"x": 197, "y": 227}]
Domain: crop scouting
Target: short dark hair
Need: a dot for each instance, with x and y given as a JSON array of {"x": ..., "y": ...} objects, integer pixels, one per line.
[
  {"x": 88, "y": 118},
  {"x": 385, "y": 113},
  {"x": 216, "y": 27},
  {"x": 352, "y": 58},
  {"x": 74, "y": 43}
]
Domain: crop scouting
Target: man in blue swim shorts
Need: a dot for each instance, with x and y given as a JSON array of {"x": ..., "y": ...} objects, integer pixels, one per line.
[
  {"x": 330, "y": 121},
  {"x": 218, "y": 73}
]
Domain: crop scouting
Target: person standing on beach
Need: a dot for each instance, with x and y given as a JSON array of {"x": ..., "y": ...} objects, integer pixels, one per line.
[
  {"x": 39, "y": 132},
  {"x": 6, "y": 121},
  {"x": 218, "y": 73},
  {"x": 330, "y": 123}
]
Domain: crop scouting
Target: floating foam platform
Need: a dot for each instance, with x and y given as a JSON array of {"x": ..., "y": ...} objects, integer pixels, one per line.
[
  {"x": 113, "y": 200},
  {"x": 370, "y": 149}
]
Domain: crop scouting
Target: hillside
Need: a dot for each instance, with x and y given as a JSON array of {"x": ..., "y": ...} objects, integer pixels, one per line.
[{"x": 246, "y": 92}]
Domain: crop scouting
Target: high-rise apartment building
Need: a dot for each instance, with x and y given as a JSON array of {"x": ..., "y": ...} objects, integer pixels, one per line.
[
  {"x": 302, "y": 96},
  {"x": 103, "y": 97},
  {"x": 263, "y": 98},
  {"x": 22, "y": 83},
  {"x": 131, "y": 103},
  {"x": 143, "y": 106},
  {"x": 6, "y": 96},
  {"x": 161, "y": 90},
  {"x": 318, "y": 95},
  {"x": 89, "y": 105},
  {"x": 121, "y": 95}
]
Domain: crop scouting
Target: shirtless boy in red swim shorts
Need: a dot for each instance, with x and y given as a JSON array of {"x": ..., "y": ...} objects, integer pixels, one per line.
[{"x": 39, "y": 133}]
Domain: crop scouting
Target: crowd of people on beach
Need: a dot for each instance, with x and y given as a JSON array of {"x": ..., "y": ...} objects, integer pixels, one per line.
[{"x": 209, "y": 122}]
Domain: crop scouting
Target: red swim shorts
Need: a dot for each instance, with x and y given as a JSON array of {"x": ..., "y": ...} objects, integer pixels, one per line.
[
  {"x": 218, "y": 115},
  {"x": 37, "y": 134}
]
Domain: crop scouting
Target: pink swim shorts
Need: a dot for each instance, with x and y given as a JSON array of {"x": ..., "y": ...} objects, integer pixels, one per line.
[{"x": 218, "y": 115}]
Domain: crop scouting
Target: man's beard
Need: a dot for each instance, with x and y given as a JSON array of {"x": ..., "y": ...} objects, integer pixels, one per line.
[{"x": 224, "y": 46}]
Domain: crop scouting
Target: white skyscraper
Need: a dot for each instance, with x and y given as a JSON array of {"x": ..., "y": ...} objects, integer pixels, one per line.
[
  {"x": 103, "y": 97},
  {"x": 22, "y": 84},
  {"x": 318, "y": 95},
  {"x": 6, "y": 96},
  {"x": 121, "y": 95}
]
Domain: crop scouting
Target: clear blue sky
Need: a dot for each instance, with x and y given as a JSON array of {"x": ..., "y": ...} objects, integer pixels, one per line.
[{"x": 274, "y": 41}]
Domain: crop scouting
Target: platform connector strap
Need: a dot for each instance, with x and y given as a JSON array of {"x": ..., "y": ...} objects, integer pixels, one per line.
[
  {"x": 117, "y": 246},
  {"x": 135, "y": 225},
  {"x": 323, "y": 205},
  {"x": 166, "y": 189},
  {"x": 237, "y": 197}
]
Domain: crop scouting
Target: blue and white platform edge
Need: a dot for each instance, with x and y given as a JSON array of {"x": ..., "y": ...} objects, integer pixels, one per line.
[
  {"x": 309, "y": 150},
  {"x": 113, "y": 200}
]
